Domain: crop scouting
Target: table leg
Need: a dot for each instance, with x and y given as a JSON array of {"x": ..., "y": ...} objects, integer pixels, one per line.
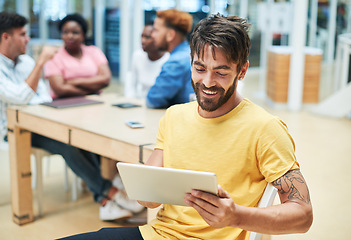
[
  {"x": 20, "y": 171},
  {"x": 108, "y": 168}
]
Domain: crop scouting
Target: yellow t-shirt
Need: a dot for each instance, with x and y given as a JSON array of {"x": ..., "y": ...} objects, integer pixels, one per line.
[{"x": 246, "y": 148}]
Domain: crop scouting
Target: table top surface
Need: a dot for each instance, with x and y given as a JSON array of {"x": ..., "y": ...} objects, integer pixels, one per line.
[{"x": 104, "y": 119}]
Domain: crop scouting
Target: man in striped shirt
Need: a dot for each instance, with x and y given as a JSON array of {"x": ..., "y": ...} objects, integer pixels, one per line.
[{"x": 20, "y": 81}]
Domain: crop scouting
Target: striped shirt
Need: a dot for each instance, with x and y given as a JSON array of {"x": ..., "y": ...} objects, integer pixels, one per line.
[{"x": 14, "y": 89}]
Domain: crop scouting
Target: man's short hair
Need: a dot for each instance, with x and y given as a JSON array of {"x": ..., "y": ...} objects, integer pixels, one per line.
[
  {"x": 177, "y": 20},
  {"x": 228, "y": 34},
  {"x": 76, "y": 18},
  {"x": 10, "y": 21}
]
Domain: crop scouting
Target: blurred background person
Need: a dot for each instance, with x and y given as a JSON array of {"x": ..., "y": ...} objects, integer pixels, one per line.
[
  {"x": 173, "y": 84},
  {"x": 146, "y": 66},
  {"x": 20, "y": 75},
  {"x": 76, "y": 69}
]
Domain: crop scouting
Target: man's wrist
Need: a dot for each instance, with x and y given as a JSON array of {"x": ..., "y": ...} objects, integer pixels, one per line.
[
  {"x": 40, "y": 63},
  {"x": 238, "y": 216}
]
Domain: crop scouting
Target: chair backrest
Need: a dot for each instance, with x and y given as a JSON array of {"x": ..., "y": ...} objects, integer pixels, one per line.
[{"x": 266, "y": 200}]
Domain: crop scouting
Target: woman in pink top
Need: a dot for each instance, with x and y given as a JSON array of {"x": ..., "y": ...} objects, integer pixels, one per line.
[{"x": 76, "y": 69}]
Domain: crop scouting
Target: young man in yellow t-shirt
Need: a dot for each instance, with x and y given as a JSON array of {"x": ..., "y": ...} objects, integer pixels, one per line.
[{"x": 226, "y": 134}]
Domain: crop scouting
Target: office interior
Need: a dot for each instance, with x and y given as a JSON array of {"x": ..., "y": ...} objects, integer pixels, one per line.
[{"x": 321, "y": 127}]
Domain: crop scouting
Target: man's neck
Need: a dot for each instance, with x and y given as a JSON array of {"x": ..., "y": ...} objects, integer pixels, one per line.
[
  {"x": 14, "y": 59},
  {"x": 177, "y": 41},
  {"x": 3, "y": 51},
  {"x": 232, "y": 103},
  {"x": 155, "y": 55}
]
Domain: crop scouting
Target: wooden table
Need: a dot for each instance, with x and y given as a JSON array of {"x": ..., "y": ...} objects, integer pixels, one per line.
[{"x": 97, "y": 128}]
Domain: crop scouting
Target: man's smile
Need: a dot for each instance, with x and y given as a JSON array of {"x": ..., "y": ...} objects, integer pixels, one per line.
[{"x": 209, "y": 92}]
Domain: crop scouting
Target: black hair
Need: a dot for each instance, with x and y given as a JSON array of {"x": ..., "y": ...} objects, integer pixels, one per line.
[
  {"x": 10, "y": 21},
  {"x": 76, "y": 18}
]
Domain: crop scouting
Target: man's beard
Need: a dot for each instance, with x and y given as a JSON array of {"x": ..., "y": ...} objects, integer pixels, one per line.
[
  {"x": 209, "y": 104},
  {"x": 163, "y": 46}
]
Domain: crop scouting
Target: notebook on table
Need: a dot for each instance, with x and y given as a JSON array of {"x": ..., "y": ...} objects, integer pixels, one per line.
[
  {"x": 71, "y": 102},
  {"x": 164, "y": 185}
]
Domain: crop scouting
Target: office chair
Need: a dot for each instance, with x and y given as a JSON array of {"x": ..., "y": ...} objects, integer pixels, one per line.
[
  {"x": 266, "y": 201},
  {"x": 37, "y": 179}
]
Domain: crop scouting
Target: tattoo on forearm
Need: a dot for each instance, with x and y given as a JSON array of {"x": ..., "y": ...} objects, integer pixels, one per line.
[{"x": 294, "y": 184}]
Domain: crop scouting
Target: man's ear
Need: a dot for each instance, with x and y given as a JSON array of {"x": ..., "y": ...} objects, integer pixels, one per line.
[
  {"x": 5, "y": 36},
  {"x": 243, "y": 70},
  {"x": 171, "y": 33}
]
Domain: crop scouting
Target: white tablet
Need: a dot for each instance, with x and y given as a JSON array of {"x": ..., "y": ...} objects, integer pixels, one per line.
[{"x": 164, "y": 185}]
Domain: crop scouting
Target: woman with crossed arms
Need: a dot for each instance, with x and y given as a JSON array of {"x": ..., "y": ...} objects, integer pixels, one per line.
[{"x": 76, "y": 69}]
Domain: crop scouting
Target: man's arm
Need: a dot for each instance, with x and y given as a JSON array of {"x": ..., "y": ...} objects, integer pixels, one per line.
[
  {"x": 155, "y": 159},
  {"x": 293, "y": 215},
  {"x": 167, "y": 85},
  {"x": 22, "y": 91},
  {"x": 46, "y": 54}
]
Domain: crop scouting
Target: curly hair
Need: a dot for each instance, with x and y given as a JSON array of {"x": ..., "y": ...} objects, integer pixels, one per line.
[{"x": 76, "y": 18}]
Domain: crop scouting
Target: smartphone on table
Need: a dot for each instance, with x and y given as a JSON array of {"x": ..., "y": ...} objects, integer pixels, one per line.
[
  {"x": 126, "y": 105},
  {"x": 134, "y": 124}
]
